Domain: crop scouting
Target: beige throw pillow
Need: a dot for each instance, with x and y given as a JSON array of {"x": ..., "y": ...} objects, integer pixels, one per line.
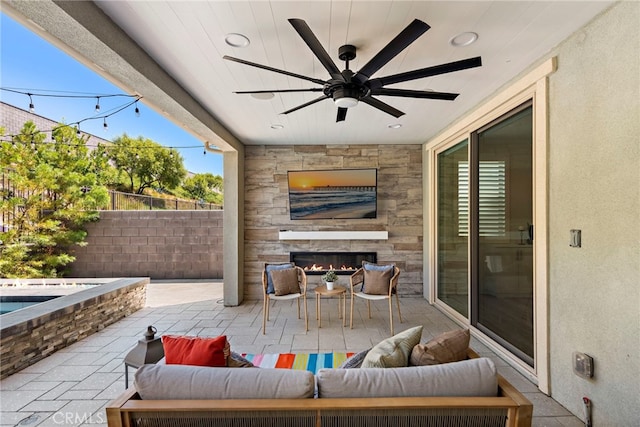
[
  {"x": 376, "y": 282},
  {"x": 393, "y": 352},
  {"x": 445, "y": 348},
  {"x": 285, "y": 281}
]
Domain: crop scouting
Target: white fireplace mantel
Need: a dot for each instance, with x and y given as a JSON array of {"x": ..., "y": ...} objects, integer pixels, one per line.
[{"x": 333, "y": 235}]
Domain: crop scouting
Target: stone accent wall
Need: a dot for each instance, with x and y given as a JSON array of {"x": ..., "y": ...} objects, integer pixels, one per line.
[
  {"x": 155, "y": 244},
  {"x": 25, "y": 341},
  {"x": 399, "y": 208}
]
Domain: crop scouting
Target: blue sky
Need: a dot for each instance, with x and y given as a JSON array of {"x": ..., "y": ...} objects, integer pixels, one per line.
[{"x": 28, "y": 63}]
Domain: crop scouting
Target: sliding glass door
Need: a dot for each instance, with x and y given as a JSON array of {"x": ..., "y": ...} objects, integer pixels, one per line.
[
  {"x": 453, "y": 241},
  {"x": 485, "y": 209}
]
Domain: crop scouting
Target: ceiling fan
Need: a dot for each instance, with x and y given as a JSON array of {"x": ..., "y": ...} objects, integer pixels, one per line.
[{"x": 347, "y": 88}]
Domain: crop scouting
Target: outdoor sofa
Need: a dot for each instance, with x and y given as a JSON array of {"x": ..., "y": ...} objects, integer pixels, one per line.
[{"x": 465, "y": 393}]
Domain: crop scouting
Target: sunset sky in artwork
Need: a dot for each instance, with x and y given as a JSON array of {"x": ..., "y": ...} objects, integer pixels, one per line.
[{"x": 300, "y": 180}]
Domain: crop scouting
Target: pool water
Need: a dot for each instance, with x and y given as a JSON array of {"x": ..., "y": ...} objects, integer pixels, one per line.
[{"x": 9, "y": 303}]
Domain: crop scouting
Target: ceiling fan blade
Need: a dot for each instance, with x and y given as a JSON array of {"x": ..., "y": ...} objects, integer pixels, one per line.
[
  {"x": 415, "y": 94},
  {"x": 306, "y": 104},
  {"x": 376, "y": 103},
  {"x": 426, "y": 72},
  {"x": 313, "y": 89},
  {"x": 316, "y": 47},
  {"x": 395, "y": 46},
  {"x": 342, "y": 114},
  {"x": 275, "y": 70}
]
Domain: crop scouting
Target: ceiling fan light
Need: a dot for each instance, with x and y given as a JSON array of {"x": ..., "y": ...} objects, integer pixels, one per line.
[{"x": 346, "y": 102}]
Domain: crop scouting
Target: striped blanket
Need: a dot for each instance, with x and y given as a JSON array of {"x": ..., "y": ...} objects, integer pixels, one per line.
[{"x": 312, "y": 362}]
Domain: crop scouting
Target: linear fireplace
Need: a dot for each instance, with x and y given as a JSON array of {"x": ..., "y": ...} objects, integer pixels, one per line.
[{"x": 342, "y": 262}]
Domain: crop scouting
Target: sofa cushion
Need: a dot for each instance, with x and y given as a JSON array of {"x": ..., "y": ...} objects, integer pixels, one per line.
[
  {"x": 271, "y": 267},
  {"x": 192, "y": 350},
  {"x": 161, "y": 382},
  {"x": 354, "y": 361},
  {"x": 448, "y": 347},
  {"x": 393, "y": 352},
  {"x": 475, "y": 377},
  {"x": 285, "y": 281}
]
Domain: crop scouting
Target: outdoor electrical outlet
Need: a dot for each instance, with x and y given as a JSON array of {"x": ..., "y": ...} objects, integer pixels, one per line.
[
  {"x": 582, "y": 365},
  {"x": 576, "y": 238}
]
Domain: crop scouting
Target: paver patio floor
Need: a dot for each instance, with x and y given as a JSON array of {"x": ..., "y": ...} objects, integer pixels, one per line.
[{"x": 73, "y": 386}]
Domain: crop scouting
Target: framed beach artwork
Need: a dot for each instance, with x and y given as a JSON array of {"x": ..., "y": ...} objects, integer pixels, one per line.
[{"x": 333, "y": 194}]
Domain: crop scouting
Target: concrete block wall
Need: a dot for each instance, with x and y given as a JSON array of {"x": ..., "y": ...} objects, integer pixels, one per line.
[
  {"x": 399, "y": 208},
  {"x": 155, "y": 244}
]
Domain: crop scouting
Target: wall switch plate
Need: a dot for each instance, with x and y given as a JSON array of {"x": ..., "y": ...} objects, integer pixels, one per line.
[
  {"x": 576, "y": 238},
  {"x": 582, "y": 365}
]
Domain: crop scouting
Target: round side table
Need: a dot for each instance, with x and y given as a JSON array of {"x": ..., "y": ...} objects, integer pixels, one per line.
[{"x": 339, "y": 291}]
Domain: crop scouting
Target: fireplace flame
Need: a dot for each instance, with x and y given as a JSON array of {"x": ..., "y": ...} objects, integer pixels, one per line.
[{"x": 317, "y": 267}]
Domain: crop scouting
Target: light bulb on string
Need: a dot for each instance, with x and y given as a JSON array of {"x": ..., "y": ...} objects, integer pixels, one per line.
[
  {"x": 32, "y": 108},
  {"x": 78, "y": 129},
  {"x": 137, "y": 110},
  {"x": 105, "y": 125},
  {"x": 97, "y": 104},
  {"x": 204, "y": 152}
]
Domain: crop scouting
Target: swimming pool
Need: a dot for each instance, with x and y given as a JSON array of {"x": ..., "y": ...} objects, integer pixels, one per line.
[
  {"x": 16, "y": 294},
  {"x": 75, "y": 312}
]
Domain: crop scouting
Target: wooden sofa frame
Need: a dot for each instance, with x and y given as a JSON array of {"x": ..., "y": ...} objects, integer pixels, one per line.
[{"x": 128, "y": 410}]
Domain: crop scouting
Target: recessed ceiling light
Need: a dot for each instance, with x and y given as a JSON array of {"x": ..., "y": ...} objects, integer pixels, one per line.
[
  {"x": 277, "y": 126},
  {"x": 395, "y": 126},
  {"x": 263, "y": 95},
  {"x": 463, "y": 39},
  {"x": 236, "y": 40}
]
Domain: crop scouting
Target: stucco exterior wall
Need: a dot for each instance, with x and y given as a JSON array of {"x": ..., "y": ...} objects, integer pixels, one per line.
[
  {"x": 155, "y": 244},
  {"x": 399, "y": 208},
  {"x": 594, "y": 182}
]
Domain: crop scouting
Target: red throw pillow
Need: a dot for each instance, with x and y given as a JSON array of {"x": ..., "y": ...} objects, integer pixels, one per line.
[{"x": 184, "y": 350}]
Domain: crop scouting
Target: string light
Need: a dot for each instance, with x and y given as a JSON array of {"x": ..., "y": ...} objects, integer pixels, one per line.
[
  {"x": 78, "y": 129},
  {"x": 105, "y": 125},
  {"x": 32, "y": 93}
]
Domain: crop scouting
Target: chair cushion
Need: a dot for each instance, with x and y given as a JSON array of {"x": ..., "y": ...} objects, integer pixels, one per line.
[
  {"x": 168, "y": 382},
  {"x": 272, "y": 267},
  {"x": 197, "y": 351},
  {"x": 475, "y": 377},
  {"x": 285, "y": 281},
  {"x": 376, "y": 278},
  {"x": 393, "y": 352},
  {"x": 377, "y": 282},
  {"x": 369, "y": 266},
  {"x": 448, "y": 347}
]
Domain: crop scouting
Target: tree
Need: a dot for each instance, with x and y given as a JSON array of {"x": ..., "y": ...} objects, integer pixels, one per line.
[
  {"x": 204, "y": 186},
  {"x": 146, "y": 163},
  {"x": 50, "y": 191}
]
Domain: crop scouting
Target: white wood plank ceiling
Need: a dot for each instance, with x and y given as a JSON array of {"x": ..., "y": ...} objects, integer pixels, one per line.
[{"x": 188, "y": 40}]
